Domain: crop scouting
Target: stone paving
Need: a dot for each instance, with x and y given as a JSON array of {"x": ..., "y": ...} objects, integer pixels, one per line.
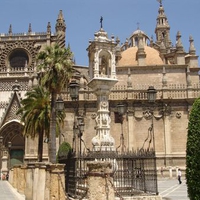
[
  {"x": 7, "y": 192},
  {"x": 169, "y": 189}
]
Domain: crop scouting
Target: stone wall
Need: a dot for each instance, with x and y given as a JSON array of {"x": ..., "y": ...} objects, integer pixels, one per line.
[{"x": 39, "y": 181}]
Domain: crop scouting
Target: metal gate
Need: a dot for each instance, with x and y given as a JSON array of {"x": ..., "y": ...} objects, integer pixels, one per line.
[{"x": 134, "y": 173}]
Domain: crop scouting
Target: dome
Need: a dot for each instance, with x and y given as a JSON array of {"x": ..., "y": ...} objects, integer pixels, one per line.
[
  {"x": 137, "y": 32},
  {"x": 134, "y": 38},
  {"x": 129, "y": 57}
]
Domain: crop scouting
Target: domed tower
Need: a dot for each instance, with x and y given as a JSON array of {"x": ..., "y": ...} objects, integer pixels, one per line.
[
  {"x": 134, "y": 39},
  {"x": 102, "y": 72},
  {"x": 162, "y": 29},
  {"x": 60, "y": 29}
]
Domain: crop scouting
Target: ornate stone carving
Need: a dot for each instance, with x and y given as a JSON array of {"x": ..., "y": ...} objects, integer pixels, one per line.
[
  {"x": 147, "y": 114},
  {"x": 94, "y": 115},
  {"x": 178, "y": 115},
  {"x": 7, "y": 85},
  {"x": 28, "y": 46}
]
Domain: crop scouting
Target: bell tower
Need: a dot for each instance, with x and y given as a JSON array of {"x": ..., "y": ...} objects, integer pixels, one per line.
[{"x": 162, "y": 29}]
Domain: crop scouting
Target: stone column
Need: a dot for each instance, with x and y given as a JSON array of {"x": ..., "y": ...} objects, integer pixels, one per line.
[
  {"x": 22, "y": 178},
  {"x": 29, "y": 181},
  {"x": 56, "y": 182},
  {"x": 100, "y": 181},
  {"x": 4, "y": 160},
  {"x": 39, "y": 181}
]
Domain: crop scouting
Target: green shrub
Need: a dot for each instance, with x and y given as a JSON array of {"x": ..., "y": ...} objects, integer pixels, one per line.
[
  {"x": 63, "y": 151},
  {"x": 193, "y": 152}
]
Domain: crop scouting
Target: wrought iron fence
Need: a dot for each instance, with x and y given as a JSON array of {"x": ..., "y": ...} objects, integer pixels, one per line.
[{"x": 134, "y": 173}]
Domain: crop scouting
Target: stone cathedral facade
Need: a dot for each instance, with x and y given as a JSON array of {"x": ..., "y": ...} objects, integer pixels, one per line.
[{"x": 140, "y": 62}]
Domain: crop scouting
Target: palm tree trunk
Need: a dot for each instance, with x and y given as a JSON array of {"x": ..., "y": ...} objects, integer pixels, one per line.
[
  {"x": 40, "y": 146},
  {"x": 52, "y": 141}
]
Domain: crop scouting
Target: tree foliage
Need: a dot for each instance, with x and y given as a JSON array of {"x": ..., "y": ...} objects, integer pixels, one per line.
[
  {"x": 55, "y": 68},
  {"x": 63, "y": 151},
  {"x": 35, "y": 114},
  {"x": 193, "y": 152}
]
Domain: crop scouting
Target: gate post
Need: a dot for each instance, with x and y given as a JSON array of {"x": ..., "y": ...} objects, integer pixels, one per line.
[{"x": 100, "y": 181}]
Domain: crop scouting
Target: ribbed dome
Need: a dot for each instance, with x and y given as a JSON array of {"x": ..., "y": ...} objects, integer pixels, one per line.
[{"x": 129, "y": 57}]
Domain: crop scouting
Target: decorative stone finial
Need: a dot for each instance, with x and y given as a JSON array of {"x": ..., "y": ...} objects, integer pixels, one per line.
[
  {"x": 192, "y": 50},
  {"x": 29, "y": 28},
  {"x": 48, "y": 27},
  {"x": 10, "y": 29},
  {"x": 179, "y": 44}
]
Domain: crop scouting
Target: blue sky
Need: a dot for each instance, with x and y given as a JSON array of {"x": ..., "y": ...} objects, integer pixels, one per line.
[{"x": 82, "y": 18}]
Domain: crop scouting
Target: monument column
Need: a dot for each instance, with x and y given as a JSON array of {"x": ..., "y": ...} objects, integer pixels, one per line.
[{"x": 102, "y": 70}]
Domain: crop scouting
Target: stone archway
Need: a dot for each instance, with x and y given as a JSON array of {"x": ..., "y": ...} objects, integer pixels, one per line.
[{"x": 12, "y": 133}]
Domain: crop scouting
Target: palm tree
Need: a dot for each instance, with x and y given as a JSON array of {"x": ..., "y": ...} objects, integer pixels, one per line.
[
  {"x": 55, "y": 66},
  {"x": 35, "y": 113}
]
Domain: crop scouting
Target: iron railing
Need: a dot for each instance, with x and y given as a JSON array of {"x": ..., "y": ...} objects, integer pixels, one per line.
[{"x": 134, "y": 173}]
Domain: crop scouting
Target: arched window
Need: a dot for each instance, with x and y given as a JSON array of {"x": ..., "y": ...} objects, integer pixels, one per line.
[{"x": 18, "y": 58}]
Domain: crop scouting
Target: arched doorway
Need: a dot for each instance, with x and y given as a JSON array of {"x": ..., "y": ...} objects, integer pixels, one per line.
[{"x": 13, "y": 142}]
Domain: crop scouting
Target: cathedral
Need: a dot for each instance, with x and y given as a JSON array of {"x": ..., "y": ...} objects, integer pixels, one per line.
[{"x": 137, "y": 66}]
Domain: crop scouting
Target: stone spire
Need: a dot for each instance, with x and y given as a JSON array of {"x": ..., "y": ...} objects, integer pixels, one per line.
[
  {"x": 162, "y": 29},
  {"x": 179, "y": 45},
  {"x": 192, "y": 50},
  {"x": 60, "y": 24},
  {"x": 180, "y": 53},
  {"x": 60, "y": 29},
  {"x": 49, "y": 27},
  {"x": 29, "y": 28},
  {"x": 192, "y": 58},
  {"x": 118, "y": 50},
  {"x": 10, "y": 29}
]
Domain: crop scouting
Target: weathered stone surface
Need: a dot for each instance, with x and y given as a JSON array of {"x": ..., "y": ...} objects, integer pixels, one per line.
[
  {"x": 39, "y": 181},
  {"x": 100, "y": 181}
]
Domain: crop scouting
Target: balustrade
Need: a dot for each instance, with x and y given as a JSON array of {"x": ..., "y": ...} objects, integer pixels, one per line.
[{"x": 121, "y": 92}]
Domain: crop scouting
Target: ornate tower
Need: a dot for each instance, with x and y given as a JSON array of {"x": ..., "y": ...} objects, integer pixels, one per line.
[
  {"x": 60, "y": 29},
  {"x": 162, "y": 29},
  {"x": 102, "y": 71}
]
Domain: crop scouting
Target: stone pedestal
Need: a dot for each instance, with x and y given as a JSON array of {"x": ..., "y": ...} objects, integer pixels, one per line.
[
  {"x": 56, "y": 180},
  {"x": 29, "y": 181},
  {"x": 100, "y": 181}
]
